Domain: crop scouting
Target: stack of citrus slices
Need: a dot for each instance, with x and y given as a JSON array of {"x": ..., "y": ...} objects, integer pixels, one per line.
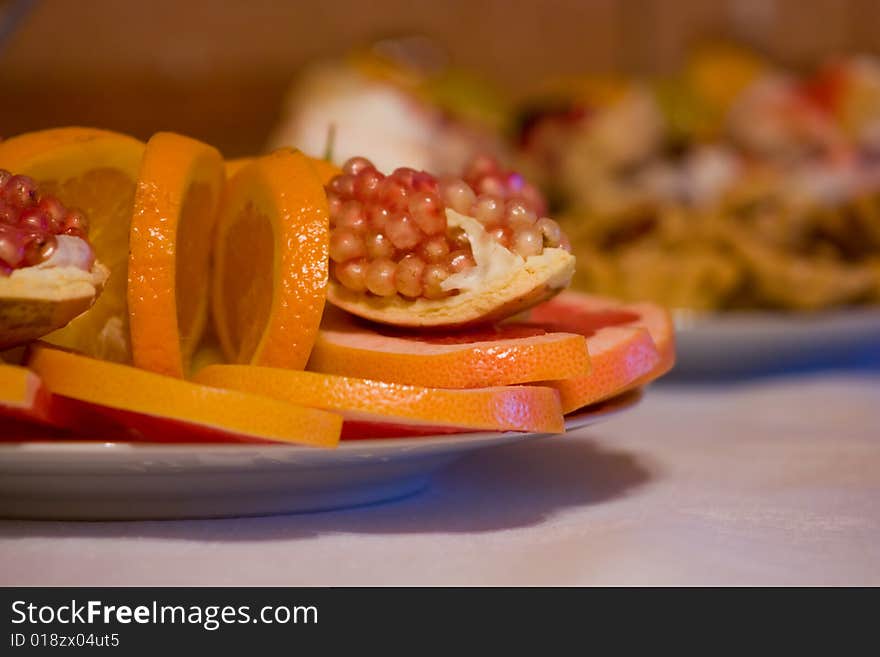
[{"x": 214, "y": 326}]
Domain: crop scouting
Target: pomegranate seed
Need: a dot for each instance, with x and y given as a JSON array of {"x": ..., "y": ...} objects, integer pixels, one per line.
[
  {"x": 353, "y": 217},
  {"x": 422, "y": 181},
  {"x": 460, "y": 261},
  {"x": 432, "y": 277},
  {"x": 409, "y": 276},
  {"x": 352, "y": 275},
  {"x": 343, "y": 185},
  {"x": 334, "y": 205},
  {"x": 493, "y": 186},
  {"x": 36, "y": 246},
  {"x": 346, "y": 245},
  {"x": 550, "y": 231},
  {"x": 458, "y": 239},
  {"x": 528, "y": 242},
  {"x": 353, "y": 166},
  {"x": 403, "y": 232},
  {"x": 434, "y": 249},
  {"x": 75, "y": 224},
  {"x": 519, "y": 215},
  {"x": 380, "y": 277},
  {"x": 458, "y": 195},
  {"x": 393, "y": 194},
  {"x": 427, "y": 211},
  {"x": 8, "y": 215},
  {"x": 404, "y": 176},
  {"x": 11, "y": 253},
  {"x": 20, "y": 191},
  {"x": 34, "y": 221},
  {"x": 378, "y": 246},
  {"x": 500, "y": 234},
  {"x": 53, "y": 209},
  {"x": 366, "y": 185},
  {"x": 378, "y": 217},
  {"x": 488, "y": 210}
]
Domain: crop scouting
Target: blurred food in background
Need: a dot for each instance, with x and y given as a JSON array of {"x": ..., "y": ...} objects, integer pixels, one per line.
[
  {"x": 401, "y": 102},
  {"x": 733, "y": 184}
]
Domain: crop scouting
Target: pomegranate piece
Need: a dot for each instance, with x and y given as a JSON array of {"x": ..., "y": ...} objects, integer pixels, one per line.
[
  {"x": 405, "y": 243},
  {"x": 30, "y": 223},
  {"x": 36, "y": 229}
]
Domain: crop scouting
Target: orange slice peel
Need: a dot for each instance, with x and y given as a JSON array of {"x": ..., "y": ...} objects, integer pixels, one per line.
[
  {"x": 513, "y": 408},
  {"x": 172, "y": 227},
  {"x": 271, "y": 256},
  {"x": 491, "y": 356},
  {"x": 160, "y": 408}
]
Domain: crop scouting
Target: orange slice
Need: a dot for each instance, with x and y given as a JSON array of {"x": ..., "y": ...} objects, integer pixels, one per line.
[
  {"x": 95, "y": 171},
  {"x": 515, "y": 408},
  {"x": 25, "y": 400},
  {"x": 172, "y": 227},
  {"x": 326, "y": 171},
  {"x": 492, "y": 356},
  {"x": 167, "y": 409},
  {"x": 271, "y": 254}
]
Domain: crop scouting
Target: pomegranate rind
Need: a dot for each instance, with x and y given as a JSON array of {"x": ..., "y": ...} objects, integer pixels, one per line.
[
  {"x": 35, "y": 301},
  {"x": 540, "y": 278},
  {"x": 510, "y": 408},
  {"x": 474, "y": 359}
]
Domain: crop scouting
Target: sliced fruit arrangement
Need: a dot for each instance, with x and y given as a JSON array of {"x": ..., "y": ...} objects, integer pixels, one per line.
[
  {"x": 488, "y": 356},
  {"x": 630, "y": 344},
  {"x": 148, "y": 406},
  {"x": 48, "y": 272},
  {"x": 175, "y": 206},
  {"x": 270, "y": 256},
  {"x": 411, "y": 250},
  {"x": 425, "y": 276},
  {"x": 511, "y": 408},
  {"x": 95, "y": 172}
]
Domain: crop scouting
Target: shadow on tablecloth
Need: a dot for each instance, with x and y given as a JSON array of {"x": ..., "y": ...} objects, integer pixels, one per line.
[{"x": 516, "y": 486}]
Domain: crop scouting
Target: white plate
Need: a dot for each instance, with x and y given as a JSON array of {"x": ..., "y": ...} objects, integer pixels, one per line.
[
  {"x": 735, "y": 343},
  {"x": 93, "y": 480}
]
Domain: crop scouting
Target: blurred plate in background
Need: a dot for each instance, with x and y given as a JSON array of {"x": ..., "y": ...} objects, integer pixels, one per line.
[{"x": 747, "y": 343}]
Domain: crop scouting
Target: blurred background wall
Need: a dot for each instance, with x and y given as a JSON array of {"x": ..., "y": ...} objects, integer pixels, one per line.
[{"x": 219, "y": 70}]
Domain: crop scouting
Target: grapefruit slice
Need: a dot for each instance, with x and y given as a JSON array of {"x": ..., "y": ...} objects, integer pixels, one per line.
[
  {"x": 157, "y": 408},
  {"x": 271, "y": 251},
  {"x": 175, "y": 207},
  {"x": 492, "y": 356},
  {"x": 629, "y": 344},
  {"x": 93, "y": 171},
  {"x": 410, "y": 409}
]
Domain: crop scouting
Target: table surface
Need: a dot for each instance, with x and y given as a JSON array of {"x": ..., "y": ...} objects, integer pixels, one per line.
[{"x": 771, "y": 482}]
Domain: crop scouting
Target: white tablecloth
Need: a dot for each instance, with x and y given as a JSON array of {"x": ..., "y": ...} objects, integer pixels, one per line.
[{"x": 770, "y": 482}]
